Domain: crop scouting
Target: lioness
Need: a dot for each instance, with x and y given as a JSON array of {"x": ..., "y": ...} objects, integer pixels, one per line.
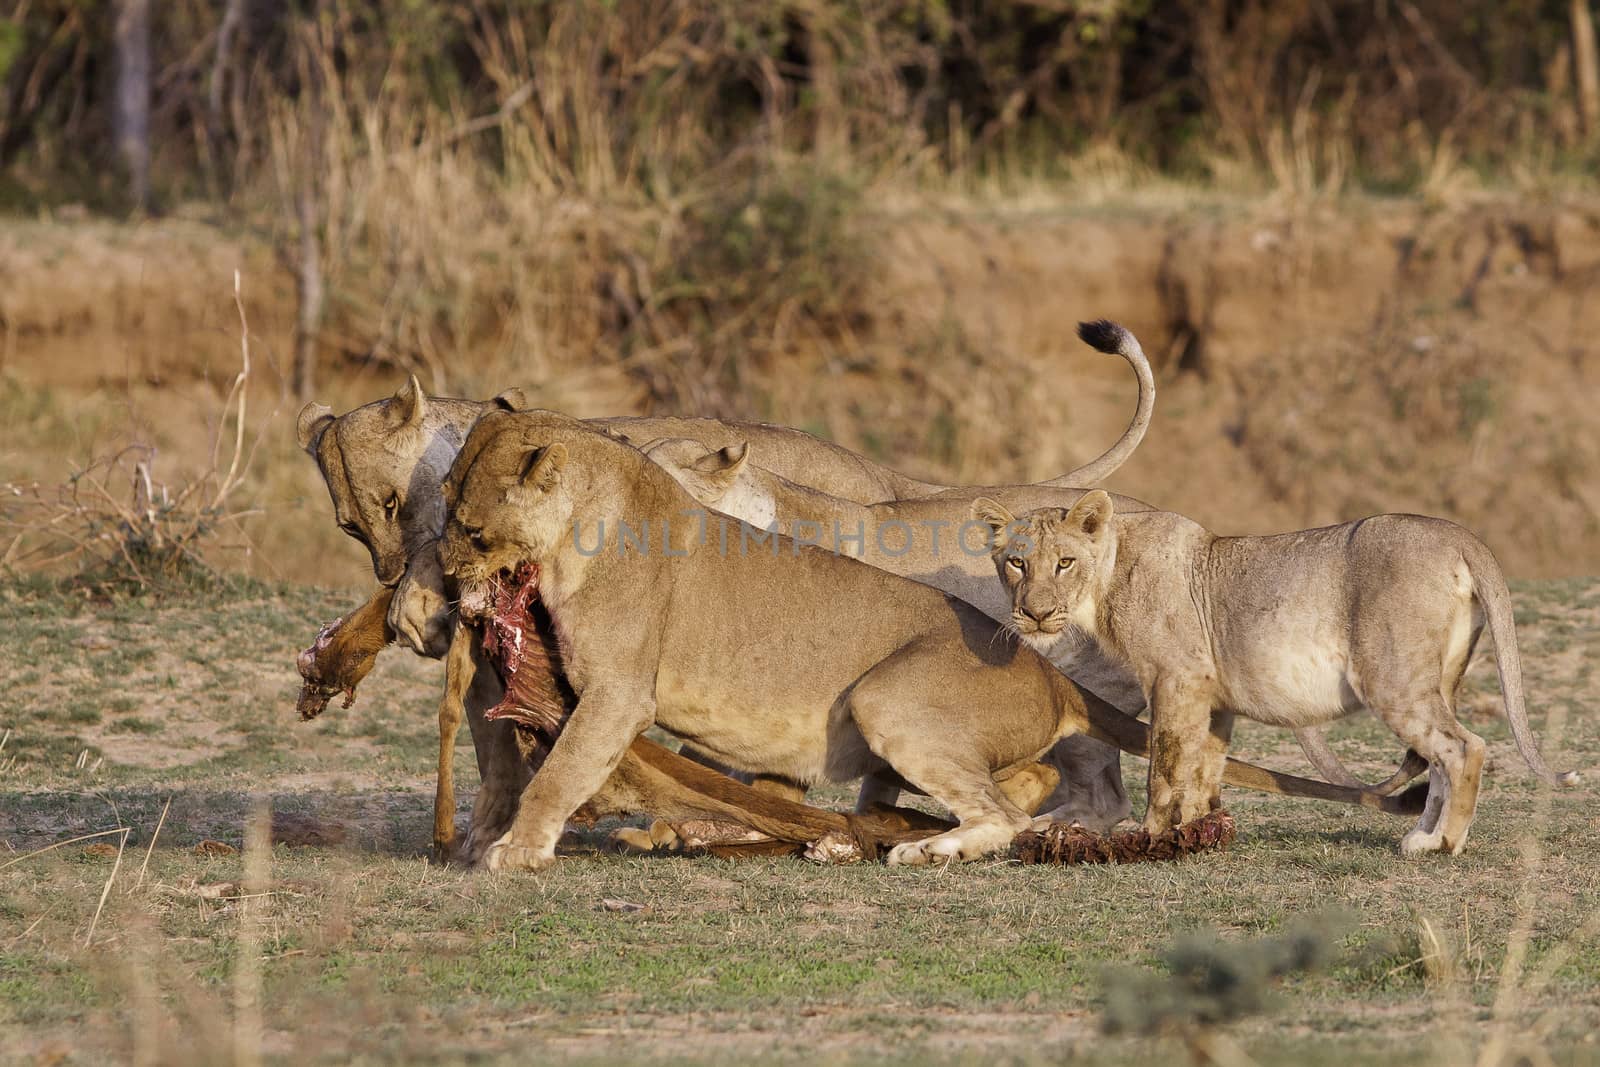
[
  {"x": 1296, "y": 629},
  {"x": 382, "y": 464},
  {"x": 934, "y": 540},
  {"x": 795, "y": 662}
]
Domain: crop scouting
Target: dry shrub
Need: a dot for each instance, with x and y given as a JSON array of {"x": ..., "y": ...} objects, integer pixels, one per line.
[
  {"x": 737, "y": 280},
  {"x": 150, "y": 535},
  {"x": 590, "y": 207}
]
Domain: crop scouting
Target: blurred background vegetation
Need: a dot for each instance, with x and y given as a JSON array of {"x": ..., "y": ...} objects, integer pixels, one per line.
[
  {"x": 1356, "y": 236},
  {"x": 234, "y": 98}
]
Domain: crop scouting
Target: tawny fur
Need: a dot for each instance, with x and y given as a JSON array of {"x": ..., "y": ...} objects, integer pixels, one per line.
[
  {"x": 382, "y": 464},
  {"x": 799, "y": 662},
  {"x": 650, "y": 779},
  {"x": 925, "y": 540},
  {"x": 1296, "y": 629}
]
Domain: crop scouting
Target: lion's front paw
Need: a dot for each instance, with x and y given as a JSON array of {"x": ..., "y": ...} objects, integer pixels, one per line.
[
  {"x": 1420, "y": 843},
  {"x": 505, "y": 856},
  {"x": 912, "y": 854},
  {"x": 960, "y": 845}
]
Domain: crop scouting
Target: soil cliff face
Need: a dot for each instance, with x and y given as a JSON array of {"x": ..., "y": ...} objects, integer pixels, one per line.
[{"x": 1313, "y": 365}]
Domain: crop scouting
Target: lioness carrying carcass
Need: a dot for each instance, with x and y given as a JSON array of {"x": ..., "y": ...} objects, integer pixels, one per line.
[
  {"x": 382, "y": 464},
  {"x": 794, "y": 661},
  {"x": 1296, "y": 629}
]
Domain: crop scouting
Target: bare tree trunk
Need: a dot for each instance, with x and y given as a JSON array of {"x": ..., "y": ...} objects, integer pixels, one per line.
[
  {"x": 132, "y": 109},
  {"x": 1586, "y": 67},
  {"x": 308, "y": 215},
  {"x": 221, "y": 62},
  {"x": 308, "y": 286}
]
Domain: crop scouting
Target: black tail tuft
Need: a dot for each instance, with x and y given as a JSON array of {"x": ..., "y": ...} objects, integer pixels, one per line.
[{"x": 1103, "y": 335}]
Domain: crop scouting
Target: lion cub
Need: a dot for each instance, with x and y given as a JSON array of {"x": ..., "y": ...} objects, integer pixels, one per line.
[{"x": 1296, "y": 629}]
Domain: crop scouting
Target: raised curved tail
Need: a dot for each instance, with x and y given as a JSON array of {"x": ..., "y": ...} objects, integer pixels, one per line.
[
  {"x": 1109, "y": 337},
  {"x": 1489, "y": 584}
]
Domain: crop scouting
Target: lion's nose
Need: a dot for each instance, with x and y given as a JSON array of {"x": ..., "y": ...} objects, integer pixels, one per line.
[{"x": 1035, "y": 616}]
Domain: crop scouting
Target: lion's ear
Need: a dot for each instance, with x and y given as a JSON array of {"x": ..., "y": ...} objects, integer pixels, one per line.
[
  {"x": 993, "y": 515},
  {"x": 1092, "y": 513},
  {"x": 409, "y": 405},
  {"x": 313, "y": 423},
  {"x": 513, "y": 399},
  {"x": 722, "y": 467},
  {"x": 541, "y": 469}
]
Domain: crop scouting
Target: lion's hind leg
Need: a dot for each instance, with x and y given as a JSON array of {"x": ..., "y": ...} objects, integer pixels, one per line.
[
  {"x": 933, "y": 737},
  {"x": 1408, "y": 675},
  {"x": 1029, "y": 787},
  {"x": 986, "y": 820},
  {"x": 950, "y": 769},
  {"x": 1455, "y": 758}
]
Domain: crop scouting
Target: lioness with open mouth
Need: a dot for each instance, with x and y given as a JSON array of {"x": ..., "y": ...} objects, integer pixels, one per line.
[
  {"x": 1295, "y": 629},
  {"x": 770, "y": 656}
]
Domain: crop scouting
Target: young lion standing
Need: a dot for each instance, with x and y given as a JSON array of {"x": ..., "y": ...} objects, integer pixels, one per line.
[{"x": 1296, "y": 629}]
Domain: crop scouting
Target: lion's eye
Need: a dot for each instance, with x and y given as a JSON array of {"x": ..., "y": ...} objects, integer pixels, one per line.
[
  {"x": 354, "y": 531},
  {"x": 1014, "y": 562},
  {"x": 1065, "y": 565},
  {"x": 391, "y": 505}
]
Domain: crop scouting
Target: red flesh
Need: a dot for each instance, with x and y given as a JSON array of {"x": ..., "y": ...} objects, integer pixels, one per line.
[{"x": 523, "y": 654}]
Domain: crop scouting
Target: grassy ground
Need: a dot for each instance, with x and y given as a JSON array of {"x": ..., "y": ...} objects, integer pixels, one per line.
[{"x": 367, "y": 953}]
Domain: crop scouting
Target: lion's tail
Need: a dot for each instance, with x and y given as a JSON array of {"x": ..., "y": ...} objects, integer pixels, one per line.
[
  {"x": 1106, "y": 723},
  {"x": 1489, "y": 585},
  {"x": 1109, "y": 337}
]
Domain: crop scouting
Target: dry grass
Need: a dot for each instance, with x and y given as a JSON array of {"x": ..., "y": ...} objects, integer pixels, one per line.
[{"x": 865, "y": 221}]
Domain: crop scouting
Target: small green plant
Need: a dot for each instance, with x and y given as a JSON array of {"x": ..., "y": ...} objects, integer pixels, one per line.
[
  {"x": 1212, "y": 982},
  {"x": 135, "y": 725}
]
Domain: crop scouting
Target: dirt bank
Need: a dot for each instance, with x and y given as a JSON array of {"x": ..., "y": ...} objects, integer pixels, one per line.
[{"x": 1313, "y": 364}]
